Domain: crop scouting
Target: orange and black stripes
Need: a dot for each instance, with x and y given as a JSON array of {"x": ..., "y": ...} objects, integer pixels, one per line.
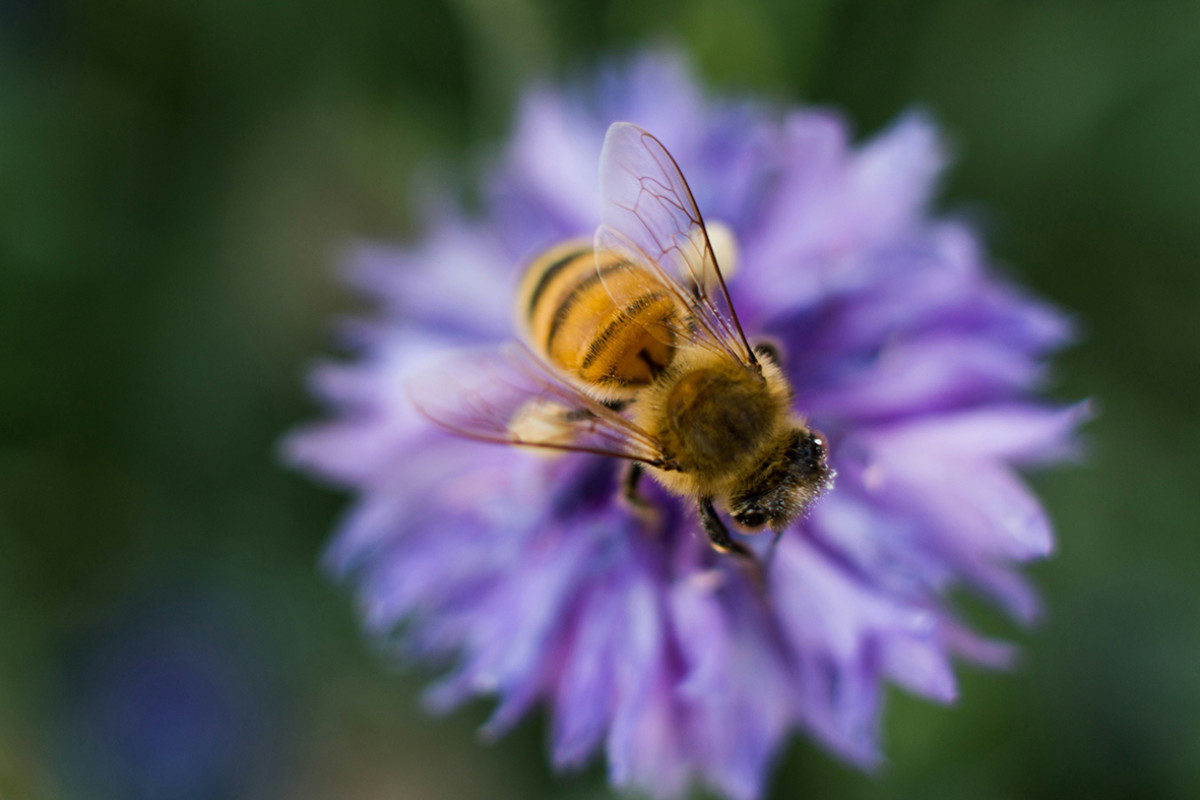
[{"x": 602, "y": 319}]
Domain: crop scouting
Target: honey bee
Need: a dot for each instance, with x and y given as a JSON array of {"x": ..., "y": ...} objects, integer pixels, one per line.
[{"x": 632, "y": 348}]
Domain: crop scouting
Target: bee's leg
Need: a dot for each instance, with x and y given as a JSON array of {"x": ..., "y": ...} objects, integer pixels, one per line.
[
  {"x": 769, "y": 350},
  {"x": 580, "y": 414},
  {"x": 718, "y": 536},
  {"x": 643, "y": 508},
  {"x": 629, "y": 485}
]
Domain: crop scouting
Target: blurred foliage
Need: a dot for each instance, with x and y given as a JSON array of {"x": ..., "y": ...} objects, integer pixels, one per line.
[{"x": 176, "y": 181}]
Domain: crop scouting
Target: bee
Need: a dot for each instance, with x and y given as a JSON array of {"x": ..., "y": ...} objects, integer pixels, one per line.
[{"x": 632, "y": 348}]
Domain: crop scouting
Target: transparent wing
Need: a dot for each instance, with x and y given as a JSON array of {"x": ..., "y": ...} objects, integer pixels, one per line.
[
  {"x": 507, "y": 396},
  {"x": 651, "y": 218}
]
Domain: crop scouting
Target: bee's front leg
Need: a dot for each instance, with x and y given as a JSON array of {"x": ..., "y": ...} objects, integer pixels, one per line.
[
  {"x": 770, "y": 351},
  {"x": 629, "y": 486},
  {"x": 718, "y": 536},
  {"x": 639, "y": 505}
]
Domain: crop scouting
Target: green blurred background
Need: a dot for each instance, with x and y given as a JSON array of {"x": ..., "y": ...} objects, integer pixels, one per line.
[{"x": 176, "y": 180}]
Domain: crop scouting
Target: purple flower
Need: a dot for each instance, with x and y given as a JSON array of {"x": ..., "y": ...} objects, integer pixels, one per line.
[{"x": 525, "y": 575}]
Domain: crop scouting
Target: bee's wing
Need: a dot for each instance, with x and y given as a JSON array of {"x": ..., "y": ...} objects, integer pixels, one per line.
[
  {"x": 507, "y": 396},
  {"x": 651, "y": 218}
]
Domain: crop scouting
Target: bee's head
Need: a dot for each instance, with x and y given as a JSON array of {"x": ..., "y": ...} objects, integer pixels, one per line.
[{"x": 785, "y": 483}]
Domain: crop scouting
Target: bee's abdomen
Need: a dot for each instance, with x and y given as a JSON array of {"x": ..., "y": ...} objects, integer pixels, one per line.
[{"x": 602, "y": 319}]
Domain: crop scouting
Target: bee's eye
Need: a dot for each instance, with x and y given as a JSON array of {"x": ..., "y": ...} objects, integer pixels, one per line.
[
  {"x": 809, "y": 450},
  {"x": 752, "y": 519}
]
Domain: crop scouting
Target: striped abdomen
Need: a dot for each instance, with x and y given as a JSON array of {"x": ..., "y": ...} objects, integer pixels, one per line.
[{"x": 601, "y": 319}]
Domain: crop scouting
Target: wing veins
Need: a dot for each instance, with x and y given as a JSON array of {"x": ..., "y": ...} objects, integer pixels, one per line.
[{"x": 653, "y": 192}]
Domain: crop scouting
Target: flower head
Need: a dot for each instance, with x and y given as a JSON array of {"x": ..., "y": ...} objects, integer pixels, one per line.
[{"x": 905, "y": 349}]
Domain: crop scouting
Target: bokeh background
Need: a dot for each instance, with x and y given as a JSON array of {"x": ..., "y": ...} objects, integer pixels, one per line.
[{"x": 176, "y": 181}]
